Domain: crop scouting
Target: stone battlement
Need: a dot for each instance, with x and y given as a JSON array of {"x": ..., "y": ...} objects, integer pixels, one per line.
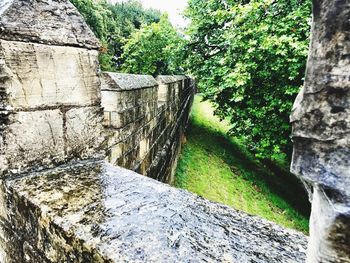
[{"x": 145, "y": 120}]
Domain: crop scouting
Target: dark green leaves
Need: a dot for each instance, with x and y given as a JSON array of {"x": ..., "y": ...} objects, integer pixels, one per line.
[
  {"x": 249, "y": 57},
  {"x": 113, "y": 24},
  {"x": 154, "y": 49}
]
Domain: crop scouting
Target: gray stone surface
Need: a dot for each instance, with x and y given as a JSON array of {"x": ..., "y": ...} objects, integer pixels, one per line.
[
  {"x": 321, "y": 132},
  {"x": 45, "y": 21},
  {"x": 34, "y": 138},
  {"x": 123, "y": 81},
  {"x": 166, "y": 79},
  {"x": 114, "y": 215},
  {"x": 46, "y": 76}
]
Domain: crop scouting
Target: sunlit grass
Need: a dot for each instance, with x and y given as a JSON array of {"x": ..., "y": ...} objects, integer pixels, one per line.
[{"x": 218, "y": 168}]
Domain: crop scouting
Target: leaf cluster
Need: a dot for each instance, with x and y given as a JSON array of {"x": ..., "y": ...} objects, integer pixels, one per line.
[
  {"x": 154, "y": 49},
  {"x": 113, "y": 24},
  {"x": 249, "y": 57}
]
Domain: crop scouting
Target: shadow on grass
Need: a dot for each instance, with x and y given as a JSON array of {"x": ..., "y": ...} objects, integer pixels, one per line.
[{"x": 269, "y": 175}]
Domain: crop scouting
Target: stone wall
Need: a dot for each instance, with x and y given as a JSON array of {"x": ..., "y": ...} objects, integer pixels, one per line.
[
  {"x": 91, "y": 211},
  {"x": 146, "y": 119},
  {"x": 50, "y": 105},
  {"x": 43, "y": 109}
]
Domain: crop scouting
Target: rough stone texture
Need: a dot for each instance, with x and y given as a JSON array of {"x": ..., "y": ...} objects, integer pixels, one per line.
[
  {"x": 146, "y": 121},
  {"x": 50, "y": 110},
  {"x": 321, "y": 132},
  {"x": 26, "y": 144},
  {"x": 45, "y": 21},
  {"x": 122, "y": 81},
  {"x": 50, "y": 103},
  {"x": 94, "y": 212},
  {"x": 38, "y": 75}
]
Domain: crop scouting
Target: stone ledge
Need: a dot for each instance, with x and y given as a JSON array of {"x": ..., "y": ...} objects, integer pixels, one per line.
[
  {"x": 94, "y": 211},
  {"x": 51, "y": 22},
  {"x": 166, "y": 79},
  {"x": 123, "y": 81}
]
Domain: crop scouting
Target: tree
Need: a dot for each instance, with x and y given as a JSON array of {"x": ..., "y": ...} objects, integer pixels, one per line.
[
  {"x": 249, "y": 58},
  {"x": 113, "y": 24},
  {"x": 154, "y": 49}
]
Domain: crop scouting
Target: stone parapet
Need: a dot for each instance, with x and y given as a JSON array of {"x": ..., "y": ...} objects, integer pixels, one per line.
[
  {"x": 47, "y": 113},
  {"x": 91, "y": 211},
  {"x": 146, "y": 126}
]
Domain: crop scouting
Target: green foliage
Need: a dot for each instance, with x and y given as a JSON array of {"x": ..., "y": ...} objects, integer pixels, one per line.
[
  {"x": 96, "y": 16},
  {"x": 218, "y": 168},
  {"x": 249, "y": 58},
  {"x": 154, "y": 49},
  {"x": 112, "y": 24}
]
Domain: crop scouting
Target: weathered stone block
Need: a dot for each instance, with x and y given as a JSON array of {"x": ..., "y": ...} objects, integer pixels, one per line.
[
  {"x": 117, "y": 101},
  {"x": 34, "y": 138},
  {"x": 116, "y": 152},
  {"x": 119, "y": 120},
  {"x": 169, "y": 87},
  {"x": 144, "y": 147},
  {"x": 84, "y": 132},
  {"x": 166, "y": 79},
  {"x": 107, "y": 119},
  {"x": 163, "y": 93},
  {"x": 51, "y": 22},
  {"x": 122, "y": 81},
  {"x": 46, "y": 76}
]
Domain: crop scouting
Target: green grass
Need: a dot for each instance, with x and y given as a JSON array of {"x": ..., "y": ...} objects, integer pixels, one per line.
[{"x": 218, "y": 168}]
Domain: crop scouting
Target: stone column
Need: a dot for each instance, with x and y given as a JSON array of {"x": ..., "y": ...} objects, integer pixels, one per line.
[
  {"x": 50, "y": 110},
  {"x": 321, "y": 132}
]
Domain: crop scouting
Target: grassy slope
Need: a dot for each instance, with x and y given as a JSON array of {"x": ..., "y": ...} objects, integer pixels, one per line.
[{"x": 216, "y": 167}]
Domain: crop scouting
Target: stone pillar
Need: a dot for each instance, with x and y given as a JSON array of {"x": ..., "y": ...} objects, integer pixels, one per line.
[
  {"x": 321, "y": 132},
  {"x": 50, "y": 106},
  {"x": 50, "y": 109}
]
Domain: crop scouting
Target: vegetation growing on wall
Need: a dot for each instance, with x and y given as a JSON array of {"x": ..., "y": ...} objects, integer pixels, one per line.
[{"x": 249, "y": 58}]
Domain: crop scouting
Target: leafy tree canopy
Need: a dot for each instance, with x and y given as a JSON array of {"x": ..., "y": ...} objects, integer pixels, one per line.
[
  {"x": 113, "y": 23},
  {"x": 249, "y": 57},
  {"x": 154, "y": 49}
]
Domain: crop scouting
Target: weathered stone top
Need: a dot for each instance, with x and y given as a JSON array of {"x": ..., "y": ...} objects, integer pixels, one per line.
[
  {"x": 45, "y": 21},
  {"x": 123, "y": 81},
  {"x": 166, "y": 79},
  {"x": 125, "y": 217},
  {"x": 180, "y": 77}
]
